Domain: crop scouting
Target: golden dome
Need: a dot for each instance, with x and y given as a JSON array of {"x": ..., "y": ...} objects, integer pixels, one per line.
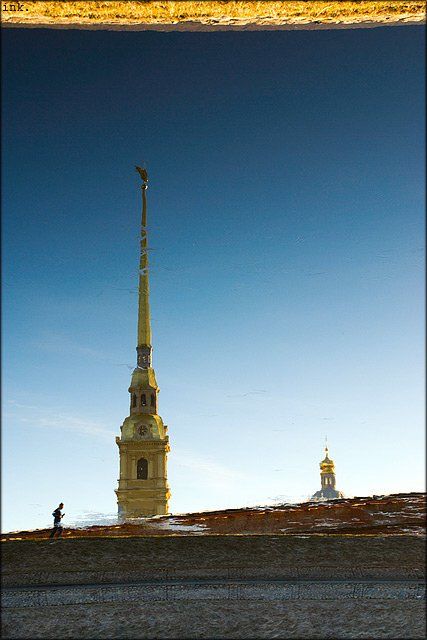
[{"x": 327, "y": 465}]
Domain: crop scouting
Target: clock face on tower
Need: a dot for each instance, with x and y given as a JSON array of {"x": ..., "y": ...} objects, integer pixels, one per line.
[{"x": 142, "y": 430}]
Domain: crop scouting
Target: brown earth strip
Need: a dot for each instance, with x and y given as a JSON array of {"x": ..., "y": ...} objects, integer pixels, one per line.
[{"x": 396, "y": 514}]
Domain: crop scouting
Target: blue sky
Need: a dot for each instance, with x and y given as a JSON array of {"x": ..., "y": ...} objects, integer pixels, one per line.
[{"x": 286, "y": 225}]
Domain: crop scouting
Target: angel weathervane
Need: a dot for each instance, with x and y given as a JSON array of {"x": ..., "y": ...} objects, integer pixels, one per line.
[{"x": 144, "y": 176}]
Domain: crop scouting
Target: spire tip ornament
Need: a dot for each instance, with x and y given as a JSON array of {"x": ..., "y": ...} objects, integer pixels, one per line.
[{"x": 144, "y": 176}]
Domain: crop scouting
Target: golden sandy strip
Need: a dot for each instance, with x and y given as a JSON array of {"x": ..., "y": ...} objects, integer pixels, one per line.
[{"x": 210, "y": 15}]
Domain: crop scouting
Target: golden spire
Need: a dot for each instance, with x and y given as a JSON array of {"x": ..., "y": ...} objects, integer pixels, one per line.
[{"x": 144, "y": 324}]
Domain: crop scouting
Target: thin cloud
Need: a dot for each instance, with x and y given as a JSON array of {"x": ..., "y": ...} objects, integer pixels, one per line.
[
  {"x": 59, "y": 344},
  {"x": 18, "y": 405},
  {"x": 256, "y": 392},
  {"x": 51, "y": 419},
  {"x": 214, "y": 471}
]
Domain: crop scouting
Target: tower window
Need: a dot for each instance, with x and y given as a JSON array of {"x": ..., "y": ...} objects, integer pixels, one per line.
[
  {"x": 143, "y": 400},
  {"x": 142, "y": 469},
  {"x": 153, "y": 400},
  {"x": 133, "y": 400}
]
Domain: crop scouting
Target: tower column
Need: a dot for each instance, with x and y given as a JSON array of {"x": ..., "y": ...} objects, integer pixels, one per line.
[{"x": 143, "y": 444}]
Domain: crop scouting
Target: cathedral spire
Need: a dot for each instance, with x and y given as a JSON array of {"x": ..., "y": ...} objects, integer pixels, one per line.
[
  {"x": 144, "y": 324},
  {"x": 143, "y": 442}
]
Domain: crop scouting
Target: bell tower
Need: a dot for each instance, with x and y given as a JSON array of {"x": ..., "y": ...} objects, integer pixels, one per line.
[
  {"x": 327, "y": 479},
  {"x": 143, "y": 443}
]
